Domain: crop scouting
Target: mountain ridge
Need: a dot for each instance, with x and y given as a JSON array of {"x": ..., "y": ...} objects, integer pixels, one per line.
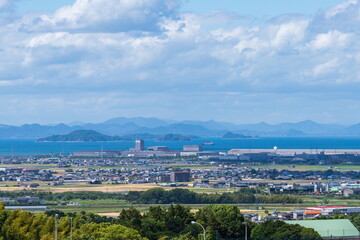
[{"x": 123, "y": 126}]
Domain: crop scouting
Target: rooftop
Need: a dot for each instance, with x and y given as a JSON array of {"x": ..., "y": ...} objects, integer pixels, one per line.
[{"x": 330, "y": 228}]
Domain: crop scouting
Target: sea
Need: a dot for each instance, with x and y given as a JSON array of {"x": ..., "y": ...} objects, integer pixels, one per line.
[{"x": 32, "y": 147}]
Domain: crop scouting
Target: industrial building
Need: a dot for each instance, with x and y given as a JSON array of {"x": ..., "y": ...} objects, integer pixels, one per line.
[
  {"x": 192, "y": 148},
  {"x": 158, "y": 148}
]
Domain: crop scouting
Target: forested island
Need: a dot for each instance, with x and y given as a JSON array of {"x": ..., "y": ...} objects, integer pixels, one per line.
[
  {"x": 94, "y": 136},
  {"x": 231, "y": 135}
]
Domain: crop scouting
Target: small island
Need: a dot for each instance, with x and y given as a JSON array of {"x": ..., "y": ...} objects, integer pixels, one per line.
[
  {"x": 175, "y": 138},
  {"x": 230, "y": 135}
]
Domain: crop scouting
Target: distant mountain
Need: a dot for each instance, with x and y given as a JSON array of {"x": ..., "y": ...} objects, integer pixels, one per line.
[
  {"x": 75, "y": 123},
  {"x": 303, "y": 128},
  {"x": 212, "y": 125},
  {"x": 139, "y": 121},
  {"x": 80, "y": 136},
  {"x": 33, "y": 131},
  {"x": 184, "y": 129},
  {"x": 235, "y": 135},
  {"x": 93, "y": 136},
  {"x": 113, "y": 129},
  {"x": 155, "y": 127},
  {"x": 353, "y": 130}
]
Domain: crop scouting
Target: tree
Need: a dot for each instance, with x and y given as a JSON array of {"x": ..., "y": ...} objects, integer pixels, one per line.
[
  {"x": 105, "y": 231},
  {"x": 186, "y": 236},
  {"x": 226, "y": 219},
  {"x": 153, "y": 228},
  {"x": 131, "y": 218},
  {"x": 154, "y": 195},
  {"x": 279, "y": 230}
]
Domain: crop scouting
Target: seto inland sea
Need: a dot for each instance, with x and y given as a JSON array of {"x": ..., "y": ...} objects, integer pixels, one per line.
[{"x": 31, "y": 147}]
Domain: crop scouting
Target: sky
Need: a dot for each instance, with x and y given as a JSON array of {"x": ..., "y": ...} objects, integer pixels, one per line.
[{"x": 233, "y": 60}]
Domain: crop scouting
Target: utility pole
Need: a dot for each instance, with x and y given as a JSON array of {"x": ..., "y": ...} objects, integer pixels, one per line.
[
  {"x": 56, "y": 227},
  {"x": 245, "y": 223},
  {"x": 71, "y": 228}
]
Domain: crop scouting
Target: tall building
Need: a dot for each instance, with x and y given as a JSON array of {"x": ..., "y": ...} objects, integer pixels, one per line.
[
  {"x": 139, "y": 145},
  {"x": 180, "y": 176}
]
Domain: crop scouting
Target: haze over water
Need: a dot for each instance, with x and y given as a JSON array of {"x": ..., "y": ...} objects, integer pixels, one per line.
[{"x": 31, "y": 147}]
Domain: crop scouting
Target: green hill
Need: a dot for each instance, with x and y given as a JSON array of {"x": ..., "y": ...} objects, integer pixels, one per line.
[
  {"x": 93, "y": 136},
  {"x": 235, "y": 135},
  {"x": 80, "y": 136}
]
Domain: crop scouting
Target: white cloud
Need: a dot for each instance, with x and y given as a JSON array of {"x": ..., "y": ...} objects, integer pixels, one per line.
[
  {"x": 344, "y": 17},
  {"x": 150, "y": 53},
  {"x": 332, "y": 39},
  {"x": 107, "y": 16},
  {"x": 324, "y": 68},
  {"x": 340, "y": 8}
]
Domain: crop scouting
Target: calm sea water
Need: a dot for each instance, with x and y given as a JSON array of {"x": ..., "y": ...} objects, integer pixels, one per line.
[{"x": 31, "y": 147}]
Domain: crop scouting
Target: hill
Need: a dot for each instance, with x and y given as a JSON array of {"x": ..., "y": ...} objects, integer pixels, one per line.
[
  {"x": 93, "y": 136},
  {"x": 80, "y": 136},
  {"x": 235, "y": 135}
]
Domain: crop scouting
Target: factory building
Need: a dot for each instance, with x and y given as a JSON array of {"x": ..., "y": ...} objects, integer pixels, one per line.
[{"x": 192, "y": 148}]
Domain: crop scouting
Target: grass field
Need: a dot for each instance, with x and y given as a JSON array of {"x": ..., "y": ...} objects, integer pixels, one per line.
[{"x": 30, "y": 165}]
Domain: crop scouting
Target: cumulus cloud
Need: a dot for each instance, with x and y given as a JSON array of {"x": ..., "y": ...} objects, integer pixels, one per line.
[
  {"x": 140, "y": 54},
  {"x": 340, "y": 9},
  {"x": 107, "y": 16},
  {"x": 331, "y": 39},
  {"x": 344, "y": 17}
]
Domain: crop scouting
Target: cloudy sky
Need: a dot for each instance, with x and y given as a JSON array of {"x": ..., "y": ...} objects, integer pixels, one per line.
[{"x": 237, "y": 61}]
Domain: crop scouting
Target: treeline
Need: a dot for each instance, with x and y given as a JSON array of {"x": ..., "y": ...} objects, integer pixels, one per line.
[
  {"x": 21, "y": 225},
  {"x": 161, "y": 196},
  {"x": 185, "y": 196},
  {"x": 64, "y": 196},
  {"x": 172, "y": 223}
]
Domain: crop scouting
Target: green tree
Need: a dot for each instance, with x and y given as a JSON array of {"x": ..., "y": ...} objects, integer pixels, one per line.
[
  {"x": 130, "y": 218},
  {"x": 279, "y": 230},
  {"x": 106, "y": 231},
  {"x": 225, "y": 219},
  {"x": 177, "y": 217},
  {"x": 186, "y": 236}
]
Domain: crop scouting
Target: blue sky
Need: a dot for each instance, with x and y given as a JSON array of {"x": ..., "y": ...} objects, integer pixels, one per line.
[
  {"x": 236, "y": 61},
  {"x": 244, "y": 7},
  {"x": 25, "y": 6},
  {"x": 259, "y": 7}
]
